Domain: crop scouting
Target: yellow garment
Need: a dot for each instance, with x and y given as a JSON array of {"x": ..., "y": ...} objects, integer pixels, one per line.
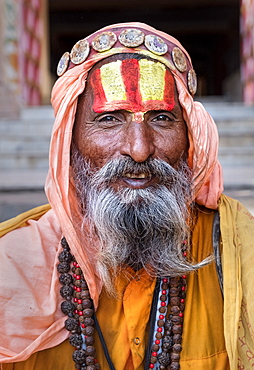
[
  {"x": 22, "y": 219},
  {"x": 125, "y": 319},
  {"x": 237, "y": 231}
]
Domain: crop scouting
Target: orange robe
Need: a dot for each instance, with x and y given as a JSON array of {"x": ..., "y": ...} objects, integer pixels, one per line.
[{"x": 127, "y": 318}]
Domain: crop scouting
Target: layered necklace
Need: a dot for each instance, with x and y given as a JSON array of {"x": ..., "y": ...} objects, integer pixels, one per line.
[{"x": 166, "y": 318}]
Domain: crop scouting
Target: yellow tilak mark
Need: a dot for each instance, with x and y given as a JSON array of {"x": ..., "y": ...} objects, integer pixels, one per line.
[
  {"x": 112, "y": 81},
  {"x": 152, "y": 80}
]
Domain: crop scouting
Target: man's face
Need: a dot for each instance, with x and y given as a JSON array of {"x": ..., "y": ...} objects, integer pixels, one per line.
[{"x": 130, "y": 108}]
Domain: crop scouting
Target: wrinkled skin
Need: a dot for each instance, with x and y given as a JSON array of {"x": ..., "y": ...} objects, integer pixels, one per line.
[{"x": 101, "y": 137}]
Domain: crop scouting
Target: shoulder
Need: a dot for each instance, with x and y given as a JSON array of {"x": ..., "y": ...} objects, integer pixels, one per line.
[
  {"x": 234, "y": 212},
  {"x": 37, "y": 229},
  {"x": 23, "y": 219}
]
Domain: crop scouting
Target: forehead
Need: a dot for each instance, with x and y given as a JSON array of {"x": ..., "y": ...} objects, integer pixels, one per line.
[{"x": 131, "y": 84}]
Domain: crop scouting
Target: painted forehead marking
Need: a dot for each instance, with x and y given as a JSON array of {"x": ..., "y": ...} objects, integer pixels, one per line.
[{"x": 131, "y": 84}]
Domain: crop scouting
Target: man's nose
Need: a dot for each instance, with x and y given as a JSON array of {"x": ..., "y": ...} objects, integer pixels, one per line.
[{"x": 138, "y": 141}]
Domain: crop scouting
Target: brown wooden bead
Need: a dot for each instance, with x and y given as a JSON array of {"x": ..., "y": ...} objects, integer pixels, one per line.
[
  {"x": 155, "y": 347},
  {"x": 89, "y": 360},
  {"x": 162, "y": 309},
  {"x": 77, "y": 283},
  {"x": 77, "y": 295},
  {"x": 67, "y": 307},
  {"x": 66, "y": 291},
  {"x": 89, "y": 340},
  {"x": 176, "y": 319},
  {"x": 160, "y": 323},
  {"x": 77, "y": 271},
  {"x": 175, "y": 356},
  {"x": 79, "y": 307},
  {"x": 89, "y": 330},
  {"x": 164, "y": 286},
  {"x": 175, "y": 280},
  {"x": 174, "y": 301},
  {"x": 177, "y": 338},
  {"x": 65, "y": 279},
  {"x": 79, "y": 356},
  {"x": 85, "y": 294},
  {"x": 76, "y": 316},
  {"x": 90, "y": 351},
  {"x": 88, "y": 312},
  {"x": 87, "y": 303},
  {"x": 177, "y": 348},
  {"x": 81, "y": 319},
  {"x": 158, "y": 335},
  {"x": 63, "y": 267},
  {"x": 164, "y": 358},
  {"x": 166, "y": 346},
  {"x": 64, "y": 243},
  {"x": 163, "y": 298},
  {"x": 88, "y": 321},
  {"x": 177, "y": 329},
  {"x": 168, "y": 325},
  {"x": 71, "y": 324},
  {"x": 76, "y": 340},
  {"x": 174, "y": 366},
  {"x": 175, "y": 310},
  {"x": 174, "y": 292},
  {"x": 65, "y": 256},
  {"x": 153, "y": 360}
]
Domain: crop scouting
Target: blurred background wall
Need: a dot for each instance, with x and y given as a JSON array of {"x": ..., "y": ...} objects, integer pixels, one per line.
[{"x": 218, "y": 34}]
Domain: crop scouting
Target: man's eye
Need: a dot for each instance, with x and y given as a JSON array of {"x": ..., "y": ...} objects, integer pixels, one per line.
[
  {"x": 108, "y": 119},
  {"x": 162, "y": 117}
]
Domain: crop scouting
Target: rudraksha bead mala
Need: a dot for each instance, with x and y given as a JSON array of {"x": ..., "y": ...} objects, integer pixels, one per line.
[{"x": 78, "y": 306}]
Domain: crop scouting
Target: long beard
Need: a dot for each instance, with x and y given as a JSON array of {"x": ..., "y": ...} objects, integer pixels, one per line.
[{"x": 144, "y": 228}]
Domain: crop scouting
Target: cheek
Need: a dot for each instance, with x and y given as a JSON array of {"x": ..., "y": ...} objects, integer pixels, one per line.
[
  {"x": 173, "y": 146},
  {"x": 96, "y": 148}
]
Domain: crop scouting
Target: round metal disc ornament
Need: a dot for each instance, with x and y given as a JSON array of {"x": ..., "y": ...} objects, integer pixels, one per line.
[
  {"x": 104, "y": 41},
  {"x": 192, "y": 81},
  {"x": 156, "y": 45},
  {"x": 179, "y": 59},
  {"x": 63, "y": 63},
  {"x": 80, "y": 51},
  {"x": 131, "y": 37}
]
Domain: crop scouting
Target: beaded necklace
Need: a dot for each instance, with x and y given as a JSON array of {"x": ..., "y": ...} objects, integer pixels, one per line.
[{"x": 166, "y": 320}]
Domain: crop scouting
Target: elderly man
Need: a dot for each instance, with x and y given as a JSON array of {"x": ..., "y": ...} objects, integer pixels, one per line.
[{"x": 140, "y": 261}]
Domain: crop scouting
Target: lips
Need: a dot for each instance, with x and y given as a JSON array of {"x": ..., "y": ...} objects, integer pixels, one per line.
[
  {"x": 137, "y": 180},
  {"x": 136, "y": 175}
]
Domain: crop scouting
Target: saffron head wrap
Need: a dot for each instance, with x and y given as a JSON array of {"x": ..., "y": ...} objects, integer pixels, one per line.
[{"x": 73, "y": 68}]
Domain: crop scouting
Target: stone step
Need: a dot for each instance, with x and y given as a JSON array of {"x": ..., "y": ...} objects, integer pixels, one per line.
[
  {"x": 236, "y": 156},
  {"x": 238, "y": 137}
]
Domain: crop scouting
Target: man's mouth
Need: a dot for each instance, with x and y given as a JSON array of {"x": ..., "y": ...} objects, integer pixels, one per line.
[
  {"x": 137, "y": 180},
  {"x": 137, "y": 175}
]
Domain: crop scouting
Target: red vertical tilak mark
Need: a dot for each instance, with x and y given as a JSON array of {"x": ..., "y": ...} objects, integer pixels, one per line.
[
  {"x": 98, "y": 92},
  {"x": 169, "y": 93},
  {"x": 131, "y": 75}
]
